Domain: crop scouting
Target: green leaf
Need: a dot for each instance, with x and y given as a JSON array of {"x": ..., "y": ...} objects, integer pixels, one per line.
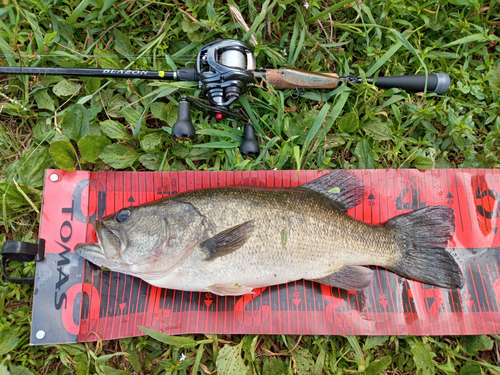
[
  {"x": 15, "y": 201},
  {"x": 30, "y": 169},
  {"x": 115, "y": 105},
  {"x": 471, "y": 368},
  {"x": 49, "y": 37},
  {"x": 380, "y": 62},
  {"x": 221, "y": 133},
  {"x": 123, "y": 45},
  {"x": 64, "y": 155},
  {"x": 65, "y": 88},
  {"x": 458, "y": 139},
  {"x": 43, "y": 131},
  {"x": 8, "y": 341},
  {"x": 150, "y": 161},
  {"x": 75, "y": 123},
  {"x": 448, "y": 368},
  {"x": 422, "y": 357},
  {"x": 364, "y": 154},
  {"x": 159, "y": 110},
  {"x": 106, "y": 59},
  {"x": 91, "y": 146},
  {"x": 43, "y": 100},
  {"x": 329, "y": 10},
  {"x": 358, "y": 353},
  {"x": 467, "y": 39},
  {"x": 423, "y": 163},
  {"x": 217, "y": 145},
  {"x": 320, "y": 362},
  {"x": 379, "y": 130},
  {"x": 334, "y": 190},
  {"x": 77, "y": 12},
  {"x": 305, "y": 361},
  {"x": 115, "y": 130},
  {"x": 104, "y": 358},
  {"x": 229, "y": 361},
  {"x": 376, "y": 367},
  {"x": 7, "y": 52},
  {"x": 349, "y": 123},
  {"x": 317, "y": 124},
  {"x": 20, "y": 370},
  {"x": 132, "y": 116},
  {"x": 81, "y": 364},
  {"x": 152, "y": 142},
  {"x": 93, "y": 84},
  {"x": 337, "y": 109},
  {"x": 177, "y": 341},
  {"x": 189, "y": 26},
  {"x": 374, "y": 341},
  {"x": 472, "y": 345},
  {"x": 118, "y": 156}
]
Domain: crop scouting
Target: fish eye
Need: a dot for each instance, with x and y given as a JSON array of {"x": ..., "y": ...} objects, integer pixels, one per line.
[{"x": 123, "y": 215}]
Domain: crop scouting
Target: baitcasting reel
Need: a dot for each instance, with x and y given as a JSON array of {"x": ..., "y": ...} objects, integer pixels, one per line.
[{"x": 223, "y": 68}]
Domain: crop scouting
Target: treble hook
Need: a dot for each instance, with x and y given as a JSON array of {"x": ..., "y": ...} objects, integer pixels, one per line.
[{"x": 298, "y": 93}]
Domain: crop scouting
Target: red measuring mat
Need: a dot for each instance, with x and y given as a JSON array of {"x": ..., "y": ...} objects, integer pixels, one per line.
[{"x": 77, "y": 301}]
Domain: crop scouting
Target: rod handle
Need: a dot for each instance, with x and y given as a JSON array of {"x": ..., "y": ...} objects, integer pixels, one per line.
[
  {"x": 438, "y": 83},
  {"x": 286, "y": 78}
]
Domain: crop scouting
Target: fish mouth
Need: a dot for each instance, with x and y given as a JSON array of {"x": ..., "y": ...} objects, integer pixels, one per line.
[
  {"x": 89, "y": 251},
  {"x": 107, "y": 248}
]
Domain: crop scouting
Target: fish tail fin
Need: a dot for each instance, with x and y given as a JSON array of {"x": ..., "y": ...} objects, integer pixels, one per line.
[{"x": 422, "y": 236}]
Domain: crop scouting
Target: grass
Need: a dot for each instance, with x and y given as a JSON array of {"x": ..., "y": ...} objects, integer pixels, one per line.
[{"x": 61, "y": 122}]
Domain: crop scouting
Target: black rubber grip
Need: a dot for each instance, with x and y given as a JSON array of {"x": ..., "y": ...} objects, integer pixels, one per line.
[
  {"x": 187, "y": 74},
  {"x": 438, "y": 83}
]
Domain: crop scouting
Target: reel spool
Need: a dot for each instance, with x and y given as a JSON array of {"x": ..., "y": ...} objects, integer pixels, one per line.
[{"x": 224, "y": 69}]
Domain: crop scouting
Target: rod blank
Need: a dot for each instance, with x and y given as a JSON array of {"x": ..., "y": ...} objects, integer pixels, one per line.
[{"x": 80, "y": 72}]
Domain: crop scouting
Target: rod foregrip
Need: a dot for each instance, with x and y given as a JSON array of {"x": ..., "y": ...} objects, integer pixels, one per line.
[
  {"x": 438, "y": 83},
  {"x": 285, "y": 78}
]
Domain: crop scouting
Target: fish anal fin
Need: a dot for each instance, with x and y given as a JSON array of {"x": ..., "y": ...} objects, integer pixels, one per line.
[
  {"x": 229, "y": 289},
  {"x": 340, "y": 186},
  {"x": 348, "y": 278},
  {"x": 228, "y": 241}
]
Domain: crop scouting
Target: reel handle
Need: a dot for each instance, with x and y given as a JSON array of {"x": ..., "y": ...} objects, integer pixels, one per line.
[
  {"x": 249, "y": 146},
  {"x": 183, "y": 127}
]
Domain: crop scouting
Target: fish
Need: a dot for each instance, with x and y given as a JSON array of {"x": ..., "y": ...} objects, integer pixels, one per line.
[{"x": 232, "y": 240}]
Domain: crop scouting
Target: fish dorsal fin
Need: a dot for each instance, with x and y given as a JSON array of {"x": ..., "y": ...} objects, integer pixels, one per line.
[
  {"x": 227, "y": 241},
  {"x": 349, "y": 278},
  {"x": 340, "y": 186}
]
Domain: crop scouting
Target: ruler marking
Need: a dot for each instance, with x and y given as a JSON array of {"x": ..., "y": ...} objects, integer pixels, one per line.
[
  {"x": 477, "y": 295},
  {"x": 486, "y": 295},
  {"x": 467, "y": 292},
  {"x": 493, "y": 285},
  {"x": 466, "y": 197},
  {"x": 392, "y": 299}
]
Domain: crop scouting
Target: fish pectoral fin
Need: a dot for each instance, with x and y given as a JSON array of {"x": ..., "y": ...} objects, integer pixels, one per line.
[
  {"x": 229, "y": 290},
  {"x": 227, "y": 241},
  {"x": 348, "y": 278}
]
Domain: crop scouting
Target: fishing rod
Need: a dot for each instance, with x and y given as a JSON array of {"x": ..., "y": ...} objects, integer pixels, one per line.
[{"x": 225, "y": 68}]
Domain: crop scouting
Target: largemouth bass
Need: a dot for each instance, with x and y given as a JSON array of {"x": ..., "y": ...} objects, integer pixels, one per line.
[{"x": 228, "y": 241}]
